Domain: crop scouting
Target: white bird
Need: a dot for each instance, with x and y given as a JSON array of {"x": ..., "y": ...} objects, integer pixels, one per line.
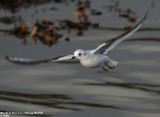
[{"x": 95, "y": 58}]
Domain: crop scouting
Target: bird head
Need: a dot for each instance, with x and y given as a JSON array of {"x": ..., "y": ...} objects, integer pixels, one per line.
[{"x": 79, "y": 54}]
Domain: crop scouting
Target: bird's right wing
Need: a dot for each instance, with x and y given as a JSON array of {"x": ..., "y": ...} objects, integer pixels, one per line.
[
  {"x": 19, "y": 60},
  {"x": 62, "y": 58},
  {"x": 110, "y": 44}
]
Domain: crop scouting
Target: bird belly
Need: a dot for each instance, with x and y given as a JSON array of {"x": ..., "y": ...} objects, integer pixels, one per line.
[
  {"x": 89, "y": 64},
  {"x": 94, "y": 61}
]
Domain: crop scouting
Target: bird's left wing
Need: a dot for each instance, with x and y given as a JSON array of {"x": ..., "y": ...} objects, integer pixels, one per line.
[
  {"x": 18, "y": 60},
  {"x": 110, "y": 44}
]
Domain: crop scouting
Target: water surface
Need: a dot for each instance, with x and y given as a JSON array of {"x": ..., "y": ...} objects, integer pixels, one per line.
[{"x": 69, "y": 90}]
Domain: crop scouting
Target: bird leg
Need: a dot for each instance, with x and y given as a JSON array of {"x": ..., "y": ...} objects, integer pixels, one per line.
[{"x": 104, "y": 69}]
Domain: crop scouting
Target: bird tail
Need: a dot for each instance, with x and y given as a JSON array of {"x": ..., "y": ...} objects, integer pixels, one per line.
[{"x": 112, "y": 63}]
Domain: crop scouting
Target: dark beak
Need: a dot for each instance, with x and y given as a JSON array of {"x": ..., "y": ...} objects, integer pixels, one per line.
[{"x": 73, "y": 57}]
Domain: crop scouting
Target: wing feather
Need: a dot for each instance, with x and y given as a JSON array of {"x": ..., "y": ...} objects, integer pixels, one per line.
[
  {"x": 62, "y": 58},
  {"x": 110, "y": 44},
  {"x": 19, "y": 60}
]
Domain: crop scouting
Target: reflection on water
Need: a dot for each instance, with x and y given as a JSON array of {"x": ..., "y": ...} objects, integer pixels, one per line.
[
  {"x": 59, "y": 101},
  {"x": 138, "y": 86}
]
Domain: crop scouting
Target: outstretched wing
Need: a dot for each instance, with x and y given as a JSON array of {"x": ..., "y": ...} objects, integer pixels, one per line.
[
  {"x": 62, "y": 58},
  {"x": 18, "y": 60},
  {"x": 110, "y": 44}
]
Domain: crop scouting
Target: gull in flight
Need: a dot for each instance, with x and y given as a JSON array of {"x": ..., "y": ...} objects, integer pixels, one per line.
[{"x": 95, "y": 58}]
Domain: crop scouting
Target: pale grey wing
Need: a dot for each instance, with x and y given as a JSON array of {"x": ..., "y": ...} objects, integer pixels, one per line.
[
  {"x": 110, "y": 44},
  {"x": 19, "y": 60},
  {"x": 63, "y": 58},
  {"x": 89, "y": 51}
]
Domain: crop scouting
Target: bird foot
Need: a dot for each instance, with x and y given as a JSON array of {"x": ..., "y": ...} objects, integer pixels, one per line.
[{"x": 110, "y": 67}]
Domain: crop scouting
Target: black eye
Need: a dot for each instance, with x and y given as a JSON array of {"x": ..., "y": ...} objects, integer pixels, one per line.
[{"x": 79, "y": 54}]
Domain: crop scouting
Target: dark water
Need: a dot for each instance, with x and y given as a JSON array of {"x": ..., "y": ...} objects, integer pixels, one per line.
[{"x": 69, "y": 90}]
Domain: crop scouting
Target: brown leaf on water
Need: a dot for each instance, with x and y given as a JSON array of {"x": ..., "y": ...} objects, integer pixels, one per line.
[
  {"x": 57, "y": 36},
  {"x": 20, "y": 31},
  {"x": 23, "y": 28},
  {"x": 132, "y": 19},
  {"x": 95, "y": 25},
  {"x": 34, "y": 31},
  {"x": 47, "y": 38},
  {"x": 47, "y": 22},
  {"x": 128, "y": 27}
]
